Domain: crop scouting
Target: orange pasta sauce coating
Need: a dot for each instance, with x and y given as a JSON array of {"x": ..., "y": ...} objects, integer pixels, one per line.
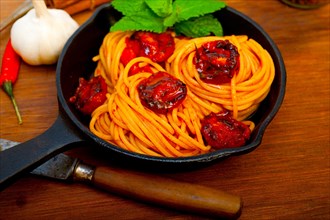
[{"x": 124, "y": 121}]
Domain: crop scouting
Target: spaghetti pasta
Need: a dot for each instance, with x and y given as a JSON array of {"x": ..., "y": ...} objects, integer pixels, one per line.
[
  {"x": 125, "y": 122},
  {"x": 246, "y": 90}
]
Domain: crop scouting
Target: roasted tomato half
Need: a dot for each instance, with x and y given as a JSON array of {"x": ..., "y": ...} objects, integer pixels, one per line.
[
  {"x": 157, "y": 47},
  {"x": 220, "y": 130},
  {"x": 89, "y": 94},
  {"x": 161, "y": 92},
  {"x": 217, "y": 61}
]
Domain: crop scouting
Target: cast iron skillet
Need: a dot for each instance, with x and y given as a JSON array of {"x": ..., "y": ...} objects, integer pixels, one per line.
[{"x": 71, "y": 128}]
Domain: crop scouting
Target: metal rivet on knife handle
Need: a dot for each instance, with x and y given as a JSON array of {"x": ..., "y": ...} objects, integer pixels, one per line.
[
  {"x": 83, "y": 172},
  {"x": 141, "y": 186}
]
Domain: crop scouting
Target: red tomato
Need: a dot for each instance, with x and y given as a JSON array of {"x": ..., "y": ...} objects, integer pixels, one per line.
[
  {"x": 127, "y": 55},
  {"x": 131, "y": 51},
  {"x": 89, "y": 94},
  {"x": 222, "y": 131},
  {"x": 157, "y": 47},
  {"x": 161, "y": 92},
  {"x": 217, "y": 61}
]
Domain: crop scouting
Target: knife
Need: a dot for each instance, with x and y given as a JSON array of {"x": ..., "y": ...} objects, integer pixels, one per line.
[
  {"x": 140, "y": 186},
  {"x": 19, "y": 12}
]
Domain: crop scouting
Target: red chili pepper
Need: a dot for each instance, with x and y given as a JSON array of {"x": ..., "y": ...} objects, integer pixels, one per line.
[{"x": 9, "y": 72}]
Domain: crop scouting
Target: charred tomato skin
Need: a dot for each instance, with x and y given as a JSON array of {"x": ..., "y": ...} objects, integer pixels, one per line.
[
  {"x": 90, "y": 94},
  {"x": 217, "y": 61},
  {"x": 220, "y": 131},
  {"x": 161, "y": 92},
  {"x": 157, "y": 47}
]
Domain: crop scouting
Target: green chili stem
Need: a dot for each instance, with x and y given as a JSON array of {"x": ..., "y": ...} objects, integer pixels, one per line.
[{"x": 8, "y": 88}]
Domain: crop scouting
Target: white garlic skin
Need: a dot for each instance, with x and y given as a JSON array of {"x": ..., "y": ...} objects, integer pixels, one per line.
[{"x": 40, "y": 40}]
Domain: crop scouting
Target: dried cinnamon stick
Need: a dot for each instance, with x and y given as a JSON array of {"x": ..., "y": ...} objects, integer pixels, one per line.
[
  {"x": 61, "y": 3},
  {"x": 84, "y": 5},
  {"x": 71, "y": 6},
  {"x": 75, "y": 6}
]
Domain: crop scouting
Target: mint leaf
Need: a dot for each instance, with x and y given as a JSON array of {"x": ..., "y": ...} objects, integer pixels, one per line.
[
  {"x": 129, "y": 7},
  {"x": 144, "y": 21},
  {"x": 183, "y": 11},
  {"x": 161, "y": 8},
  {"x": 170, "y": 20},
  {"x": 196, "y": 8},
  {"x": 199, "y": 27},
  {"x": 186, "y": 17}
]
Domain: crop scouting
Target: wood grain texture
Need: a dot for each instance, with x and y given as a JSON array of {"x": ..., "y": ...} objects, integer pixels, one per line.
[{"x": 286, "y": 177}]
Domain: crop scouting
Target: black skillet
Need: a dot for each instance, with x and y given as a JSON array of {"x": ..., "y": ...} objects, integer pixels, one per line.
[{"x": 71, "y": 128}]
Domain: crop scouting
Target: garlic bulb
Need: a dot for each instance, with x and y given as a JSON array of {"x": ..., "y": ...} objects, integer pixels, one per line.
[{"x": 39, "y": 36}]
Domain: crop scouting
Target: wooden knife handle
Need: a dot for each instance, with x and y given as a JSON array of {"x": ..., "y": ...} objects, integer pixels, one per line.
[{"x": 167, "y": 192}]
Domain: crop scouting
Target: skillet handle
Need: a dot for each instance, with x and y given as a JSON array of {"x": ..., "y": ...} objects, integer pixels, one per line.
[
  {"x": 170, "y": 193},
  {"x": 26, "y": 156}
]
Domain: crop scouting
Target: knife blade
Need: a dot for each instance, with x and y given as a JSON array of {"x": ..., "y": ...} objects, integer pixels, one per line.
[
  {"x": 19, "y": 12},
  {"x": 141, "y": 186},
  {"x": 60, "y": 167}
]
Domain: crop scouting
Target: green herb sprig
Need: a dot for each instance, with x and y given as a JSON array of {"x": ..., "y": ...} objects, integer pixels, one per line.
[{"x": 192, "y": 18}]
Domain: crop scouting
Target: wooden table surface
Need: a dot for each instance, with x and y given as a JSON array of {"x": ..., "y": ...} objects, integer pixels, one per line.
[{"x": 286, "y": 177}]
